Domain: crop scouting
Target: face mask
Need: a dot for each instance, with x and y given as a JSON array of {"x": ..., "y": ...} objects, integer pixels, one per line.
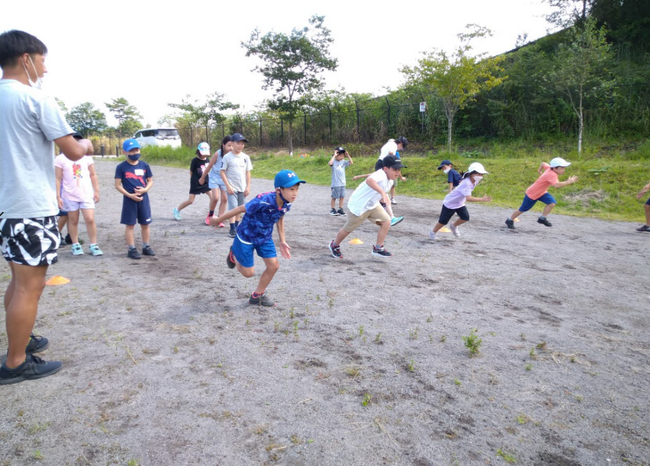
[
  {"x": 477, "y": 178},
  {"x": 134, "y": 157},
  {"x": 446, "y": 170},
  {"x": 38, "y": 84}
]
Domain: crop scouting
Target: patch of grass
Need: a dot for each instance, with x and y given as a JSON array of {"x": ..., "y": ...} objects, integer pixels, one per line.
[
  {"x": 473, "y": 343},
  {"x": 507, "y": 457},
  {"x": 367, "y": 397}
]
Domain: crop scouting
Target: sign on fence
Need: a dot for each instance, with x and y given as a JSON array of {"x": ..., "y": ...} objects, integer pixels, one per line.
[{"x": 423, "y": 107}]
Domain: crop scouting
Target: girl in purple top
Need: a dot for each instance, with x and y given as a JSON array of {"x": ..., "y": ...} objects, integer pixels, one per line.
[{"x": 454, "y": 202}]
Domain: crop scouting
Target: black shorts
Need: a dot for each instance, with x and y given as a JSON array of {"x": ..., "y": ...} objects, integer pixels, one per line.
[
  {"x": 446, "y": 214},
  {"x": 29, "y": 241}
]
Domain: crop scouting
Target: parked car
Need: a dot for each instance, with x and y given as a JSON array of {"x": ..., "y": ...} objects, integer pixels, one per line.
[{"x": 158, "y": 137}]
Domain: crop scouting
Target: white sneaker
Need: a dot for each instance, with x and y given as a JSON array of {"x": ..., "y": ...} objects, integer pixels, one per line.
[
  {"x": 432, "y": 235},
  {"x": 454, "y": 230},
  {"x": 393, "y": 201}
]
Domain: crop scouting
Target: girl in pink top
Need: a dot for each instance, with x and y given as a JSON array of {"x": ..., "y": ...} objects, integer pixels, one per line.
[
  {"x": 454, "y": 202},
  {"x": 539, "y": 190}
]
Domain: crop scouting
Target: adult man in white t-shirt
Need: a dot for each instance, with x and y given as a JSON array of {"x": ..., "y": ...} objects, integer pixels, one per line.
[
  {"x": 392, "y": 147},
  {"x": 30, "y": 123}
]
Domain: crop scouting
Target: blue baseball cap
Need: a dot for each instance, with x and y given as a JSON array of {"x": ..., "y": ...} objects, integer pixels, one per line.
[
  {"x": 130, "y": 144},
  {"x": 443, "y": 163},
  {"x": 287, "y": 179},
  {"x": 236, "y": 137},
  {"x": 204, "y": 148}
]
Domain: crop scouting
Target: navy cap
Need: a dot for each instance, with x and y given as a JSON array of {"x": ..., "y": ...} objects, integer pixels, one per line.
[
  {"x": 236, "y": 137},
  {"x": 444, "y": 162},
  {"x": 390, "y": 161},
  {"x": 287, "y": 179},
  {"x": 340, "y": 150},
  {"x": 130, "y": 144}
]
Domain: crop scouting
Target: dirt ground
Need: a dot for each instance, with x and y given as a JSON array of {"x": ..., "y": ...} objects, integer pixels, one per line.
[{"x": 363, "y": 360}]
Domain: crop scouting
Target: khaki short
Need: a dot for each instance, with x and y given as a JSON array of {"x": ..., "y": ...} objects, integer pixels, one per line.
[{"x": 378, "y": 214}]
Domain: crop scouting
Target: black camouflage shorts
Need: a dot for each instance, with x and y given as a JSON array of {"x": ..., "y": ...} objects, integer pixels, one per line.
[{"x": 29, "y": 241}]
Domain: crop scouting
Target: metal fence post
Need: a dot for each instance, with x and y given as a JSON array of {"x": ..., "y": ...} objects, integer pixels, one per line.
[
  {"x": 281, "y": 131},
  {"x": 330, "y": 112},
  {"x": 260, "y": 131},
  {"x": 356, "y": 104},
  {"x": 102, "y": 149},
  {"x": 305, "y": 127},
  {"x": 388, "y": 103},
  {"x": 117, "y": 148}
]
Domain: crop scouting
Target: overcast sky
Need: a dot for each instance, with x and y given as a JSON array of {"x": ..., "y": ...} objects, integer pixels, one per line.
[{"x": 156, "y": 52}]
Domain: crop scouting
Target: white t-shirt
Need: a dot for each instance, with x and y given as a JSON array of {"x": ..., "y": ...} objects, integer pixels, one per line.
[
  {"x": 30, "y": 121},
  {"x": 75, "y": 178},
  {"x": 389, "y": 148},
  {"x": 456, "y": 198},
  {"x": 236, "y": 167},
  {"x": 364, "y": 198}
]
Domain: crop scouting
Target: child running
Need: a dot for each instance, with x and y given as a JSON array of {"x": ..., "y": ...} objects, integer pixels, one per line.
[
  {"x": 217, "y": 187},
  {"x": 77, "y": 189},
  {"x": 338, "y": 178},
  {"x": 538, "y": 191},
  {"x": 645, "y": 227},
  {"x": 453, "y": 177},
  {"x": 366, "y": 203},
  {"x": 454, "y": 202},
  {"x": 255, "y": 232},
  {"x": 197, "y": 171},
  {"x": 236, "y": 175}
]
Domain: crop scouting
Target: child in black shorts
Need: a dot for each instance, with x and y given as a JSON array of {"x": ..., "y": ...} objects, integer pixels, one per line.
[
  {"x": 197, "y": 169},
  {"x": 133, "y": 178}
]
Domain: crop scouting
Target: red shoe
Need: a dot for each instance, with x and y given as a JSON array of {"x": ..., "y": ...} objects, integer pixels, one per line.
[{"x": 207, "y": 219}]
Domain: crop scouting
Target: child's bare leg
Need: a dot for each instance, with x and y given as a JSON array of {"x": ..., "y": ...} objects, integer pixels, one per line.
[
  {"x": 437, "y": 227},
  {"x": 459, "y": 222},
  {"x": 333, "y": 203},
  {"x": 61, "y": 221},
  {"x": 272, "y": 266},
  {"x": 214, "y": 199},
  {"x": 73, "y": 226},
  {"x": 223, "y": 195},
  {"x": 342, "y": 234},
  {"x": 91, "y": 226},
  {"x": 145, "y": 233},
  {"x": 515, "y": 214},
  {"x": 128, "y": 233},
  {"x": 647, "y": 214},
  {"x": 547, "y": 209},
  {"x": 383, "y": 232},
  {"x": 340, "y": 203},
  {"x": 190, "y": 201},
  {"x": 392, "y": 191}
]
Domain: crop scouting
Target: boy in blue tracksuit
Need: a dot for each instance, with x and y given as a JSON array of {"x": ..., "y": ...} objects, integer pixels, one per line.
[{"x": 255, "y": 233}]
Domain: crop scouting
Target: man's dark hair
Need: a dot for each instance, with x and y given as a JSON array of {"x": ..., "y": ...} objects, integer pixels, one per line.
[{"x": 14, "y": 44}]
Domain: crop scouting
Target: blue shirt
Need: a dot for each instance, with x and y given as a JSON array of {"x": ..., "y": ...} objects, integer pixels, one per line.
[
  {"x": 453, "y": 177},
  {"x": 133, "y": 176},
  {"x": 262, "y": 212}
]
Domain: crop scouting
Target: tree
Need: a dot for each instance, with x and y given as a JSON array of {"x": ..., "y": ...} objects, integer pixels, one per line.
[
  {"x": 568, "y": 12},
  {"x": 62, "y": 106},
  {"x": 455, "y": 78},
  {"x": 292, "y": 65},
  {"x": 581, "y": 70},
  {"x": 86, "y": 119},
  {"x": 127, "y": 115},
  {"x": 202, "y": 114}
]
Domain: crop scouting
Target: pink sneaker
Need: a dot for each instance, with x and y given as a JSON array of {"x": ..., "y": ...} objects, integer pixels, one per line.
[
  {"x": 207, "y": 219},
  {"x": 221, "y": 225}
]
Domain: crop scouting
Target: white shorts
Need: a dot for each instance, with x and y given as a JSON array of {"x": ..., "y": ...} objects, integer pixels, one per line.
[{"x": 73, "y": 206}]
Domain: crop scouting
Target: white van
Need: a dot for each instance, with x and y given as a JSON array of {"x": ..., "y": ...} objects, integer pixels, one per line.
[{"x": 158, "y": 137}]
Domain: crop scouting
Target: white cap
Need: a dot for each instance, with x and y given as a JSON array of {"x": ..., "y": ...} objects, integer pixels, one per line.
[
  {"x": 559, "y": 162},
  {"x": 477, "y": 167}
]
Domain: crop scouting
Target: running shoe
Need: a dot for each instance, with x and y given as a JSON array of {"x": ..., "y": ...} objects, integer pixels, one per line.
[
  {"x": 334, "y": 212},
  {"x": 261, "y": 300},
  {"x": 36, "y": 344},
  {"x": 147, "y": 251},
  {"x": 336, "y": 251},
  {"x": 544, "y": 221},
  {"x": 177, "y": 214},
  {"x": 381, "y": 252},
  {"x": 393, "y": 201},
  {"x": 510, "y": 223},
  {"x": 643, "y": 228},
  {"x": 207, "y": 219},
  {"x": 77, "y": 250},
  {"x": 432, "y": 235},
  {"x": 33, "y": 368},
  {"x": 395, "y": 220},
  {"x": 230, "y": 259},
  {"x": 221, "y": 225},
  {"x": 133, "y": 254},
  {"x": 341, "y": 211},
  {"x": 454, "y": 230}
]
